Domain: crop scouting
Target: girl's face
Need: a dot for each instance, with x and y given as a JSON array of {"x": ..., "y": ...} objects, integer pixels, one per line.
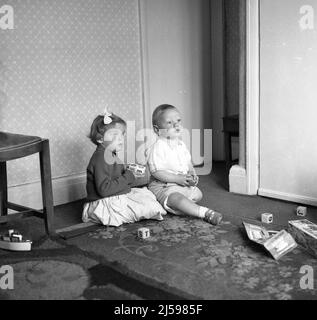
[
  {"x": 170, "y": 124},
  {"x": 114, "y": 138}
]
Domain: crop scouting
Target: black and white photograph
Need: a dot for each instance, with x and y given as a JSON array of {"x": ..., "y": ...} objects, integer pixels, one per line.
[{"x": 158, "y": 154}]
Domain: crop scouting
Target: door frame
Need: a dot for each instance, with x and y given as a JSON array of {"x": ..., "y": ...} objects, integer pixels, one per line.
[{"x": 244, "y": 177}]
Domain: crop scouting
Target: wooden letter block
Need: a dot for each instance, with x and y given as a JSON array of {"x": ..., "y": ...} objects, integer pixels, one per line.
[
  {"x": 144, "y": 233},
  {"x": 267, "y": 218},
  {"x": 301, "y": 211}
]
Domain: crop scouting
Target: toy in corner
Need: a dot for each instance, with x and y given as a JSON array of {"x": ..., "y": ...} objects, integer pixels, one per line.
[{"x": 14, "y": 241}]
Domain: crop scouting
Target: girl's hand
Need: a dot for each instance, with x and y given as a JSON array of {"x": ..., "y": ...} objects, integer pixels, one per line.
[
  {"x": 138, "y": 171},
  {"x": 141, "y": 180},
  {"x": 138, "y": 175}
]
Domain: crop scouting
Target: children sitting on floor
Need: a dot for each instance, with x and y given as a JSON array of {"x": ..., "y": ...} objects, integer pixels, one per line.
[
  {"x": 173, "y": 177},
  {"x": 111, "y": 199}
]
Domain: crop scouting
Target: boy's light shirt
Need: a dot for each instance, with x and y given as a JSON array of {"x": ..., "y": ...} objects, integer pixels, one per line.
[{"x": 169, "y": 155}]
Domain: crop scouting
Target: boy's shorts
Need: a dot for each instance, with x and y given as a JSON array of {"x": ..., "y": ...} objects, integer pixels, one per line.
[{"x": 162, "y": 191}]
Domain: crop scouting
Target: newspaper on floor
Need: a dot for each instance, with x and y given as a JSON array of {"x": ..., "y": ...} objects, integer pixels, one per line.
[{"x": 278, "y": 243}]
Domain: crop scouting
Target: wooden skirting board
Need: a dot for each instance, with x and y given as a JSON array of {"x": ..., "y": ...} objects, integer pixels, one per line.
[{"x": 65, "y": 190}]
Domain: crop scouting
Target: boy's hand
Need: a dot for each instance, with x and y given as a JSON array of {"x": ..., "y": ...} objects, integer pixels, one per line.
[
  {"x": 195, "y": 179},
  {"x": 192, "y": 180},
  {"x": 184, "y": 180}
]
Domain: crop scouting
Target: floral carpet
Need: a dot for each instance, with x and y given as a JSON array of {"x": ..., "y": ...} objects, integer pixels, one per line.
[
  {"x": 201, "y": 260},
  {"x": 56, "y": 270},
  {"x": 183, "y": 259}
]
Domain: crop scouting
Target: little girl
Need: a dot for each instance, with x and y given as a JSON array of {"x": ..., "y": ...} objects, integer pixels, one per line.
[{"x": 111, "y": 200}]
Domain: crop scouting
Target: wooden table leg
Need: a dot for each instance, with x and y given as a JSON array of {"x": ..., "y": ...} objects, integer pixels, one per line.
[{"x": 47, "y": 190}]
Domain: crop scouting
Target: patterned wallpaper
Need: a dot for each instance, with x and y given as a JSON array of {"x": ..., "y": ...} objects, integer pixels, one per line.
[{"x": 62, "y": 62}]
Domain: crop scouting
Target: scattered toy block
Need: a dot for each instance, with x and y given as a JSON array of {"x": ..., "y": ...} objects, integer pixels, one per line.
[
  {"x": 144, "y": 233},
  {"x": 267, "y": 217},
  {"x": 301, "y": 211}
]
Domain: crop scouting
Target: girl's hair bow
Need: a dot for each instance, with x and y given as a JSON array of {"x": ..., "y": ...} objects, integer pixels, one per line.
[{"x": 107, "y": 116}]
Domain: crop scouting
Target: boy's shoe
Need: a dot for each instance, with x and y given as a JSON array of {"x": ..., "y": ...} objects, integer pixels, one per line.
[{"x": 213, "y": 217}]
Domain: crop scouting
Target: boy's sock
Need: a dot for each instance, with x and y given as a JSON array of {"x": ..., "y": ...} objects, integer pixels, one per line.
[
  {"x": 213, "y": 217},
  {"x": 202, "y": 212}
]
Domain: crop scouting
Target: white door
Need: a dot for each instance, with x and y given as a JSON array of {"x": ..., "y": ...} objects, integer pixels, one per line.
[{"x": 288, "y": 100}]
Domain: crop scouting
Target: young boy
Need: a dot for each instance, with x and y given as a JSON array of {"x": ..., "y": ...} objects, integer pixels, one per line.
[{"x": 173, "y": 177}]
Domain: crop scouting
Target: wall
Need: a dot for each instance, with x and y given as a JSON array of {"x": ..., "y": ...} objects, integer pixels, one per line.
[
  {"x": 65, "y": 60},
  {"x": 60, "y": 65},
  {"x": 177, "y": 58},
  {"x": 288, "y": 153}
]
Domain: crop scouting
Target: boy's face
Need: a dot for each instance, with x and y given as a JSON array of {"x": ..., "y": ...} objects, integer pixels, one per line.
[{"x": 170, "y": 124}]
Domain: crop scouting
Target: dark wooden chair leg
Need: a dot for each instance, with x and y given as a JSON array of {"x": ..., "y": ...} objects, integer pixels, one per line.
[
  {"x": 3, "y": 189},
  {"x": 47, "y": 190}
]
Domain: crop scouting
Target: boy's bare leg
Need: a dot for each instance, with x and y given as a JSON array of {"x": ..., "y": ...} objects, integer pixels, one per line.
[{"x": 180, "y": 203}]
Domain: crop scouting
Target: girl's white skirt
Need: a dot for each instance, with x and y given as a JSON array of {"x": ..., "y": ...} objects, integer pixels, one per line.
[{"x": 137, "y": 205}]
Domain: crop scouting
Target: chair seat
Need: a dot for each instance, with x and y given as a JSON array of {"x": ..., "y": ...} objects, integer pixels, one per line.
[{"x": 10, "y": 141}]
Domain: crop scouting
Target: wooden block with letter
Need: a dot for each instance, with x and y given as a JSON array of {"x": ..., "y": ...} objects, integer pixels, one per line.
[
  {"x": 267, "y": 218},
  {"x": 301, "y": 211},
  {"x": 144, "y": 233}
]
